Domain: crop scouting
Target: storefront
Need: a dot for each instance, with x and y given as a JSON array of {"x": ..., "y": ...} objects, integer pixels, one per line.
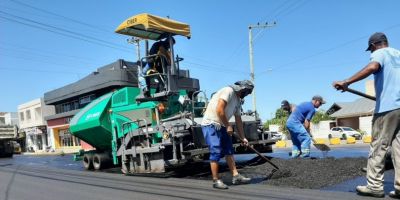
[
  {"x": 36, "y": 138},
  {"x": 62, "y": 138}
]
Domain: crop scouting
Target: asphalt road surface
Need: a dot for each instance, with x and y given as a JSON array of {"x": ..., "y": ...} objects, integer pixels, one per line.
[
  {"x": 33, "y": 177},
  {"x": 20, "y": 182}
]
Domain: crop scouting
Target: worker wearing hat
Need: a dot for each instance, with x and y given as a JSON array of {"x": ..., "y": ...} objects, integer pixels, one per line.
[
  {"x": 298, "y": 125},
  {"x": 384, "y": 64},
  {"x": 286, "y": 106},
  {"x": 217, "y": 131}
]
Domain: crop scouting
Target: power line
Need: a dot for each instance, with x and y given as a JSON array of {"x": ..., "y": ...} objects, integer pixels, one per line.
[
  {"x": 60, "y": 16},
  {"x": 42, "y": 61},
  {"x": 327, "y": 50},
  {"x": 216, "y": 68},
  {"x": 30, "y": 53},
  {"x": 60, "y": 31},
  {"x": 38, "y": 71}
]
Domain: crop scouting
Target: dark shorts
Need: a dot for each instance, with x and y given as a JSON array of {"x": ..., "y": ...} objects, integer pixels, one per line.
[{"x": 219, "y": 142}]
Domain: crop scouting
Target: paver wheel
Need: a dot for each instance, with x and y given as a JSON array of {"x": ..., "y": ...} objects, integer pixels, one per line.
[
  {"x": 101, "y": 161},
  {"x": 88, "y": 161}
]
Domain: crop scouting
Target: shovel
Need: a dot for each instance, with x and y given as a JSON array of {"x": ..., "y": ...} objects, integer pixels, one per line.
[
  {"x": 361, "y": 94},
  {"x": 276, "y": 172},
  {"x": 321, "y": 147}
]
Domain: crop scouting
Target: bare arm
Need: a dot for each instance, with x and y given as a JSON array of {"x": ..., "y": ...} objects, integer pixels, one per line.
[
  {"x": 307, "y": 125},
  {"x": 371, "y": 68},
  {"x": 166, "y": 53}
]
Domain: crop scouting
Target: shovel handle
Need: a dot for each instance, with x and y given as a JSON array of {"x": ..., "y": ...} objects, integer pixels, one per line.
[
  {"x": 361, "y": 94},
  {"x": 258, "y": 153}
]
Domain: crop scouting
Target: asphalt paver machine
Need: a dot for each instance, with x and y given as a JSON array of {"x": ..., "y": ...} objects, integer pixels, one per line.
[{"x": 157, "y": 133}]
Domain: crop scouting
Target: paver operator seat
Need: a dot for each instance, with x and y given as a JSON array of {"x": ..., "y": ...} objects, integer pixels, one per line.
[{"x": 150, "y": 27}]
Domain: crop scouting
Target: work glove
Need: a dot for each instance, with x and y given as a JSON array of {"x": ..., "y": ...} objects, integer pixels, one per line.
[
  {"x": 245, "y": 142},
  {"x": 217, "y": 126}
]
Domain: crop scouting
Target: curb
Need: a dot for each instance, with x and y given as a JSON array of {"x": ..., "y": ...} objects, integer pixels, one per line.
[
  {"x": 280, "y": 144},
  {"x": 367, "y": 139}
]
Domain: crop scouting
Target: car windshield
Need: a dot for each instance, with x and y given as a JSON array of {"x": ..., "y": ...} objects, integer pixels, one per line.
[{"x": 347, "y": 129}]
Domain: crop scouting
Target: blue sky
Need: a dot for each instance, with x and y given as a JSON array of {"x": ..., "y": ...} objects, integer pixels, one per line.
[{"x": 47, "y": 44}]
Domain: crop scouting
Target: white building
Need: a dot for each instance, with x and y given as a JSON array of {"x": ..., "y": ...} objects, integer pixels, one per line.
[{"x": 31, "y": 117}]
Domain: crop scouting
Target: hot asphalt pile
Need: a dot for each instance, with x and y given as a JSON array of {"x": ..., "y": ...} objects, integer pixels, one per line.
[{"x": 312, "y": 173}]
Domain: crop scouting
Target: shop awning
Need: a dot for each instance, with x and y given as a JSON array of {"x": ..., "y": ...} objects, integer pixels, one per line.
[{"x": 152, "y": 27}]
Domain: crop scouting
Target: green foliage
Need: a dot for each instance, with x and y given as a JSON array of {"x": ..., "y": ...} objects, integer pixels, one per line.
[
  {"x": 279, "y": 119},
  {"x": 362, "y": 132},
  {"x": 320, "y": 116}
]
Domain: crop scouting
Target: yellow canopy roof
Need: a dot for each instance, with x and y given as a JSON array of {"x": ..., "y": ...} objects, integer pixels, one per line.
[{"x": 152, "y": 27}]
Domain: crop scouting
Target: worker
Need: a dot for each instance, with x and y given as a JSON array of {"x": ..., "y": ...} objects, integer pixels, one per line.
[
  {"x": 385, "y": 65},
  {"x": 298, "y": 125},
  {"x": 217, "y": 131},
  {"x": 160, "y": 57},
  {"x": 286, "y": 106}
]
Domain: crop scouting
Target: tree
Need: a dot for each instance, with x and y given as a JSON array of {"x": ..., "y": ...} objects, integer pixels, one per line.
[
  {"x": 320, "y": 116},
  {"x": 279, "y": 119}
]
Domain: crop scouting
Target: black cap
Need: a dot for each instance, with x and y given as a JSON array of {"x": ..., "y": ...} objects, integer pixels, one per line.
[
  {"x": 318, "y": 98},
  {"x": 284, "y": 103},
  {"x": 376, "y": 38}
]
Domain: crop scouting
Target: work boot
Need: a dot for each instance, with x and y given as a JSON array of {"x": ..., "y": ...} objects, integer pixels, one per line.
[
  {"x": 395, "y": 194},
  {"x": 366, "y": 191},
  {"x": 219, "y": 184},
  {"x": 239, "y": 179},
  {"x": 364, "y": 169}
]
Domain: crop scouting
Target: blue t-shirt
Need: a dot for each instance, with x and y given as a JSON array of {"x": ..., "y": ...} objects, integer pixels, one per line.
[
  {"x": 302, "y": 112},
  {"x": 387, "y": 79}
]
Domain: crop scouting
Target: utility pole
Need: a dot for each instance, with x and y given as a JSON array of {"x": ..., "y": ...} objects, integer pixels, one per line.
[{"x": 251, "y": 27}]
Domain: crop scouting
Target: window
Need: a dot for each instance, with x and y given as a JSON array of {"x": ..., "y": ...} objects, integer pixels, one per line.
[
  {"x": 21, "y": 116},
  {"x": 86, "y": 99},
  {"x": 67, "y": 139},
  {"x": 38, "y": 114},
  {"x": 2, "y": 120},
  {"x": 28, "y": 114}
]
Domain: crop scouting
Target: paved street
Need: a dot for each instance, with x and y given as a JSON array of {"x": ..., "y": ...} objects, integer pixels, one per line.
[
  {"x": 55, "y": 177},
  {"x": 19, "y": 182}
]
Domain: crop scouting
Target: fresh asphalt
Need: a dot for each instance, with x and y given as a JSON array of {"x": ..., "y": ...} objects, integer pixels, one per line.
[{"x": 58, "y": 177}]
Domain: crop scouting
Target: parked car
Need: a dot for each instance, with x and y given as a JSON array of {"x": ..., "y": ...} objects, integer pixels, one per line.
[
  {"x": 343, "y": 133},
  {"x": 277, "y": 135}
]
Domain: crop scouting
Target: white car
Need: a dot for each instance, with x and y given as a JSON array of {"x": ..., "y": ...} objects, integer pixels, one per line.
[{"x": 343, "y": 133}]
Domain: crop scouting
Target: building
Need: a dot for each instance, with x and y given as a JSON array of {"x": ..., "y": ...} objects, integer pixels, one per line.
[
  {"x": 68, "y": 100},
  {"x": 33, "y": 126}
]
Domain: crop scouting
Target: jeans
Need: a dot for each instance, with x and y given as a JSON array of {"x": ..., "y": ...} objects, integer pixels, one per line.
[{"x": 300, "y": 138}]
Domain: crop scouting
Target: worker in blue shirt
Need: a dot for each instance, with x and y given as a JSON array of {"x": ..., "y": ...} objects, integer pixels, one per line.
[{"x": 298, "y": 125}]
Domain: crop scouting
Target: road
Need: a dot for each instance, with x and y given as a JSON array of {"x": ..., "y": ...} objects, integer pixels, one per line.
[
  {"x": 41, "y": 179},
  {"x": 20, "y": 182}
]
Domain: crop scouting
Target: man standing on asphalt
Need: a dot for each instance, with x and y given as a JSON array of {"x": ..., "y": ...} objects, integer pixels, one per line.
[
  {"x": 298, "y": 125},
  {"x": 385, "y": 65},
  {"x": 218, "y": 132}
]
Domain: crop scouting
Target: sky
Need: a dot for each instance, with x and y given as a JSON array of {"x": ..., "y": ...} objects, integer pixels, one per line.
[{"x": 47, "y": 44}]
